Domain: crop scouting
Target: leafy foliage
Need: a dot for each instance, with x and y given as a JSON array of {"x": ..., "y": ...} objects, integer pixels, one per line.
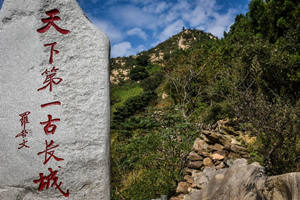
[
  {"x": 138, "y": 73},
  {"x": 131, "y": 106},
  {"x": 120, "y": 94},
  {"x": 252, "y": 74},
  {"x": 154, "y": 155},
  {"x": 143, "y": 60},
  {"x": 278, "y": 124}
]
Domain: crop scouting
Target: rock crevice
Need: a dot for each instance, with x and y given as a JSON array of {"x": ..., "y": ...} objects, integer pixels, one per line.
[{"x": 217, "y": 169}]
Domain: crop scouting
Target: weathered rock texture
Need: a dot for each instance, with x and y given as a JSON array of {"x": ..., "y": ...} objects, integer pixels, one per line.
[
  {"x": 83, "y": 130},
  {"x": 213, "y": 174},
  {"x": 245, "y": 182},
  {"x": 216, "y": 148}
]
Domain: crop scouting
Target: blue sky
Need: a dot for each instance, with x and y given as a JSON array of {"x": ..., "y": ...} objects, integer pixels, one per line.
[{"x": 136, "y": 25}]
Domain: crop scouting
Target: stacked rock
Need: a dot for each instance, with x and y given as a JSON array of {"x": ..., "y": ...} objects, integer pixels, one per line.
[{"x": 215, "y": 149}]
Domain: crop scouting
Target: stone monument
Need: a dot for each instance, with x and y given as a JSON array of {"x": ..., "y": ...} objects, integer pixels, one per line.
[{"x": 54, "y": 103}]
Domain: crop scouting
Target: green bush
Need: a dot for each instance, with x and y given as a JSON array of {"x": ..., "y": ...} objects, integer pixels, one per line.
[
  {"x": 151, "y": 161},
  {"x": 252, "y": 74},
  {"x": 138, "y": 73},
  {"x": 143, "y": 60},
  {"x": 277, "y": 126},
  {"x": 132, "y": 106},
  {"x": 152, "y": 82}
]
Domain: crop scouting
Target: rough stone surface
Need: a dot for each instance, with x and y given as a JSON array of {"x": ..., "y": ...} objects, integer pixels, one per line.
[
  {"x": 83, "y": 130},
  {"x": 199, "y": 145},
  {"x": 220, "y": 166},
  {"x": 179, "y": 197},
  {"x": 219, "y": 147},
  {"x": 193, "y": 156},
  {"x": 188, "y": 179},
  {"x": 208, "y": 162},
  {"x": 217, "y": 156},
  {"x": 195, "y": 164},
  {"x": 286, "y": 186},
  {"x": 214, "y": 148},
  {"x": 182, "y": 187},
  {"x": 242, "y": 181}
]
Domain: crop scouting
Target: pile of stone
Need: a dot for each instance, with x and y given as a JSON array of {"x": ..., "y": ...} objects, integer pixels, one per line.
[
  {"x": 215, "y": 149},
  {"x": 243, "y": 181}
]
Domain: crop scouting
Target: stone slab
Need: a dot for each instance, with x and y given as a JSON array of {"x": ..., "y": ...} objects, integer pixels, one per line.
[{"x": 83, "y": 130}]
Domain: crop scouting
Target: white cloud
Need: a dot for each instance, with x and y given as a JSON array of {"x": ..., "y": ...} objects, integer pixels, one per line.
[
  {"x": 221, "y": 23},
  {"x": 196, "y": 17},
  {"x": 113, "y": 33},
  {"x": 120, "y": 49},
  {"x": 137, "y": 31},
  {"x": 175, "y": 12},
  {"x": 133, "y": 16},
  {"x": 156, "y": 7},
  {"x": 139, "y": 49},
  {"x": 158, "y": 20},
  {"x": 182, "y": 6},
  {"x": 171, "y": 30},
  {"x": 162, "y": 6},
  {"x": 125, "y": 49},
  {"x": 201, "y": 14}
]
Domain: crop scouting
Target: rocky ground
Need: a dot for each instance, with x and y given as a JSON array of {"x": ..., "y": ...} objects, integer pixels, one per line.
[
  {"x": 214, "y": 149},
  {"x": 217, "y": 169}
]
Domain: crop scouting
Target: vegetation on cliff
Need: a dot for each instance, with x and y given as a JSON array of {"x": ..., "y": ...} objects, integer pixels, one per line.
[{"x": 173, "y": 90}]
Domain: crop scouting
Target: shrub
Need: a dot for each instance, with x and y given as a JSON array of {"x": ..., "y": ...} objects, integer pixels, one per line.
[
  {"x": 277, "y": 126},
  {"x": 138, "y": 73}
]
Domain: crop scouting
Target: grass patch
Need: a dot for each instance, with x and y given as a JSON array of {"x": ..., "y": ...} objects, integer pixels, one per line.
[
  {"x": 124, "y": 92},
  {"x": 154, "y": 69}
]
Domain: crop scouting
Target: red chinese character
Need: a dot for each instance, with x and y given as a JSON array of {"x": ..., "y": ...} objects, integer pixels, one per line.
[
  {"x": 23, "y": 133},
  {"x": 51, "y": 103},
  {"x": 45, "y": 182},
  {"x": 24, "y": 118},
  {"x": 50, "y": 153},
  {"x": 51, "y": 51},
  {"x": 50, "y": 79},
  {"x": 50, "y": 22},
  {"x": 50, "y": 128},
  {"x": 23, "y": 144}
]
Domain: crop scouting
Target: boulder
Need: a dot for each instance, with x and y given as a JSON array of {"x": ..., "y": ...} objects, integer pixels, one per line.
[
  {"x": 242, "y": 181},
  {"x": 215, "y": 137},
  {"x": 217, "y": 156},
  {"x": 220, "y": 166},
  {"x": 282, "y": 187},
  {"x": 199, "y": 145},
  {"x": 188, "y": 179},
  {"x": 179, "y": 197},
  {"x": 217, "y": 147},
  {"x": 208, "y": 162},
  {"x": 182, "y": 188},
  {"x": 193, "y": 156},
  {"x": 54, "y": 104},
  {"x": 195, "y": 164}
]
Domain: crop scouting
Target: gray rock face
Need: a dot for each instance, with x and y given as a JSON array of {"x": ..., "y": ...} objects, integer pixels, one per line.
[
  {"x": 245, "y": 182},
  {"x": 286, "y": 186},
  {"x": 80, "y": 92}
]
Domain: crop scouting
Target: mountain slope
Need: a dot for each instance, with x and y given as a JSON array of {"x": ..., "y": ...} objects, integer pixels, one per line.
[{"x": 164, "y": 98}]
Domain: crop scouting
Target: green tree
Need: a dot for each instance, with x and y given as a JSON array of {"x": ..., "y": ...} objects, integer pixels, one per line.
[
  {"x": 151, "y": 162},
  {"x": 138, "y": 73},
  {"x": 143, "y": 60}
]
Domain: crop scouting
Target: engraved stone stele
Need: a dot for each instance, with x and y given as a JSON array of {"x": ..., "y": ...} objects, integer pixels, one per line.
[{"x": 81, "y": 87}]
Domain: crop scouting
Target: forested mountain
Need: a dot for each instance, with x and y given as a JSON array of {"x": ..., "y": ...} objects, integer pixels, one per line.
[{"x": 162, "y": 98}]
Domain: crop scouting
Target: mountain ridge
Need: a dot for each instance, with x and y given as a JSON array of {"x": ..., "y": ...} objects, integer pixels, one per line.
[{"x": 159, "y": 108}]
